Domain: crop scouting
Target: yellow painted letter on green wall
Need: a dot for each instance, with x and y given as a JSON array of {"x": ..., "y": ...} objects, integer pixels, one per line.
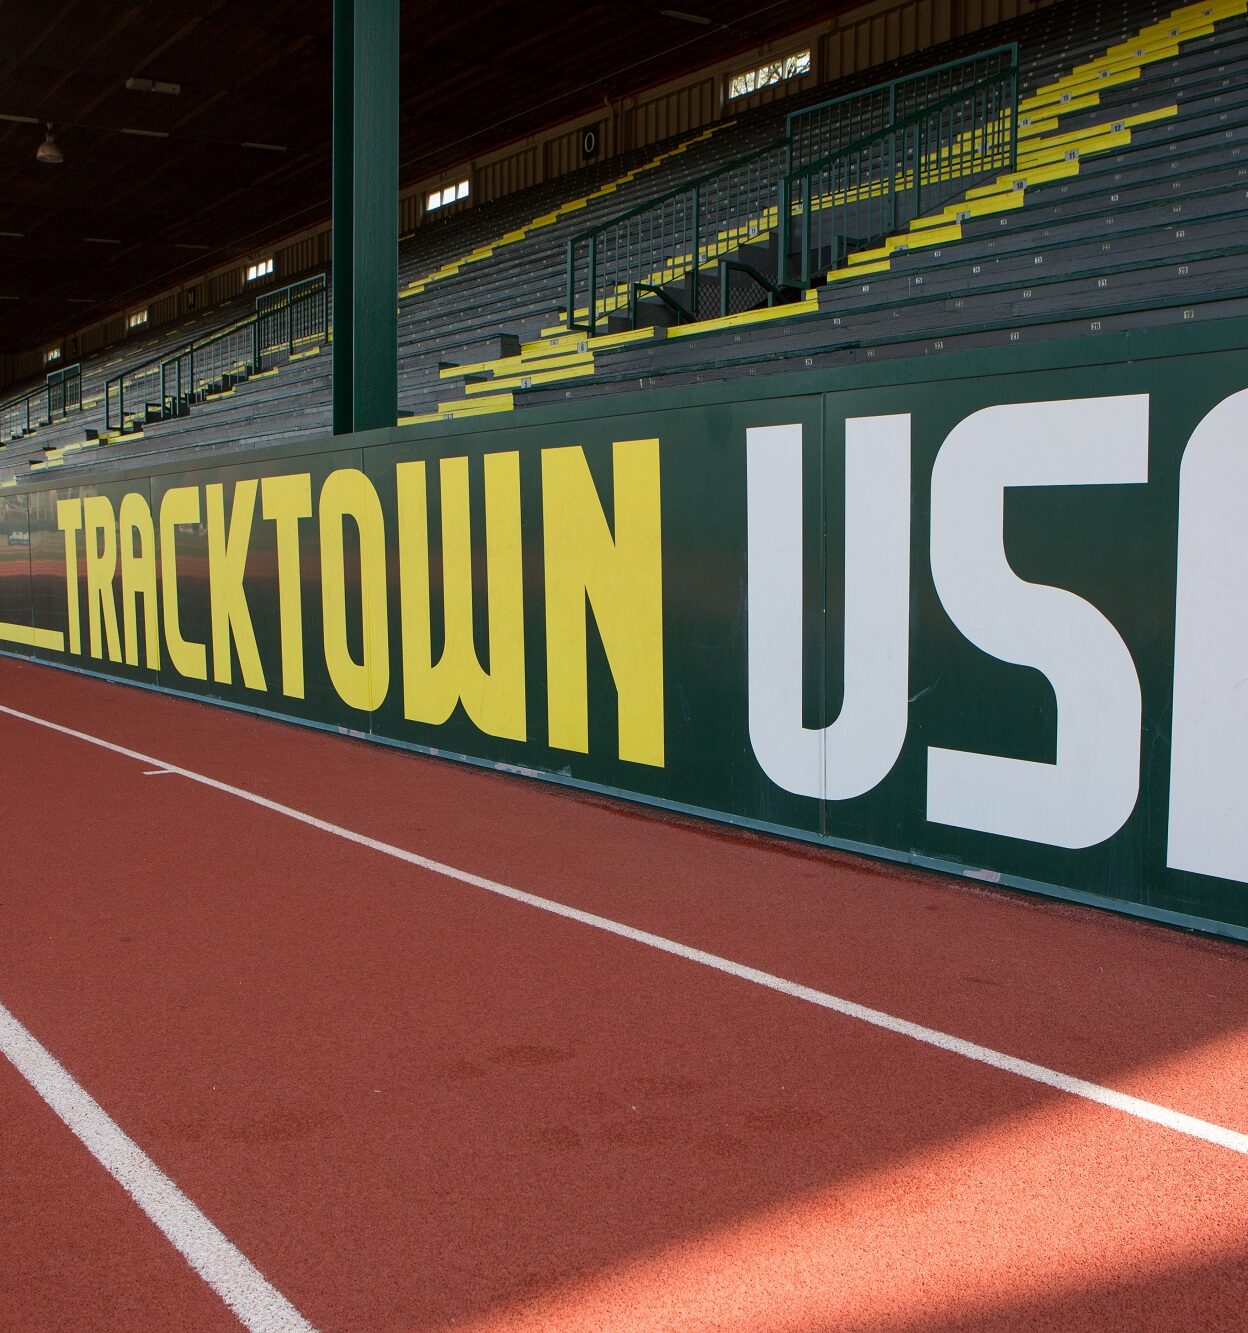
[
  {"x": 69, "y": 520},
  {"x": 495, "y": 701},
  {"x": 621, "y": 576},
  {"x": 100, "y": 540},
  {"x": 286, "y": 500},
  {"x": 348, "y": 493},
  {"x": 227, "y": 563},
  {"x": 180, "y": 505},
  {"x": 138, "y": 579}
]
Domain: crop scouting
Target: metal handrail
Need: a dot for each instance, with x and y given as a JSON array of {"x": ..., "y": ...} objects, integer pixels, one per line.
[
  {"x": 676, "y": 193},
  {"x": 178, "y": 377},
  {"x": 892, "y": 86},
  {"x": 887, "y": 179},
  {"x": 56, "y": 391},
  {"x": 680, "y": 216},
  {"x": 935, "y": 107},
  {"x": 613, "y": 262}
]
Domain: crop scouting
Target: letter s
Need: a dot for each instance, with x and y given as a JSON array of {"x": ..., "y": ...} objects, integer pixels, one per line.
[{"x": 1087, "y": 795}]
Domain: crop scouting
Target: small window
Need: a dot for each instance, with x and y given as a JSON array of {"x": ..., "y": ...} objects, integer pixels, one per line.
[
  {"x": 775, "y": 71},
  {"x": 261, "y": 269},
  {"x": 449, "y": 194},
  {"x": 138, "y": 319},
  {"x": 52, "y": 354}
]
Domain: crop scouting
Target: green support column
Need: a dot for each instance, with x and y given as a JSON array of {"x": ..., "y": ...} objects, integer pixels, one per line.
[{"x": 366, "y": 214}]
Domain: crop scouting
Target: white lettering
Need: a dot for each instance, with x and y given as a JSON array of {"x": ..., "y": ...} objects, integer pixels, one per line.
[
  {"x": 1209, "y": 755},
  {"x": 1087, "y": 795},
  {"x": 858, "y": 750}
]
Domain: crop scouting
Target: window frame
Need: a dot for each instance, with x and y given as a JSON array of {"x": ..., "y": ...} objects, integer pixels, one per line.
[
  {"x": 768, "y": 73},
  {"x": 455, "y": 192}
]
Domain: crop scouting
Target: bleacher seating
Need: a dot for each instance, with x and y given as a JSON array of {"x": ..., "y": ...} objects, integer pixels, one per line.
[{"x": 1125, "y": 209}]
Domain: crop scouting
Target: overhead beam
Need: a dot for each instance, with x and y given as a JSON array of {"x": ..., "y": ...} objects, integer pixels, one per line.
[{"x": 366, "y": 215}]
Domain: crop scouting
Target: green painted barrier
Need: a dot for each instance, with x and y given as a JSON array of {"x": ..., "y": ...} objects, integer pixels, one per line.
[{"x": 986, "y": 612}]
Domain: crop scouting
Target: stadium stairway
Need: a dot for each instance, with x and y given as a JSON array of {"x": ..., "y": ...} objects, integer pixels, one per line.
[
  {"x": 1141, "y": 223},
  {"x": 442, "y": 341}
]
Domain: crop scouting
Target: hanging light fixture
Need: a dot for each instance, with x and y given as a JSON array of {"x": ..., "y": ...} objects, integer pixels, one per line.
[{"x": 49, "y": 152}]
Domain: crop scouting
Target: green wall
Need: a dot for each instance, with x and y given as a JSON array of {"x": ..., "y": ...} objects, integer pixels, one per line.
[{"x": 925, "y": 609}]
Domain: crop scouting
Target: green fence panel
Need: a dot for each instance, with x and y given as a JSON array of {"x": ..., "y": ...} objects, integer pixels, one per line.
[{"x": 986, "y": 612}]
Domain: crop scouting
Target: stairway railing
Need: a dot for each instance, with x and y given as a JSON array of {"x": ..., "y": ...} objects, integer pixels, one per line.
[
  {"x": 664, "y": 248},
  {"x": 854, "y": 198},
  {"x": 816, "y": 132},
  {"x": 53, "y": 400},
  {"x": 608, "y": 261},
  {"x": 167, "y": 385}
]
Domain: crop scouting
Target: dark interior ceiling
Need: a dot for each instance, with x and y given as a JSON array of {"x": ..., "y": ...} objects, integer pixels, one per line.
[{"x": 189, "y": 193}]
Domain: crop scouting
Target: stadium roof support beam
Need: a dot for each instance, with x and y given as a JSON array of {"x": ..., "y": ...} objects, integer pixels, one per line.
[{"x": 366, "y": 214}]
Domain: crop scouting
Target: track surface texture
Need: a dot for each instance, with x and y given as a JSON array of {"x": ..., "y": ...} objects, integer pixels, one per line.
[{"x": 412, "y": 1103}]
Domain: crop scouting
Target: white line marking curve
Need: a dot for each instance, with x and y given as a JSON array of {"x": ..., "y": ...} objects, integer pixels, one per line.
[{"x": 1164, "y": 1116}]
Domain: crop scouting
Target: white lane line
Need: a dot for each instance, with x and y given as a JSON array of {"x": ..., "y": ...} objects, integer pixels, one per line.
[
  {"x": 239, "y": 1283},
  {"x": 158, "y": 773},
  {"x": 1052, "y": 1078}
]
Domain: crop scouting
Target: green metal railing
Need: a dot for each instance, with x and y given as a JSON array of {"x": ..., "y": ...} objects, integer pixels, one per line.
[
  {"x": 816, "y": 132},
  {"x": 291, "y": 316},
  {"x": 168, "y": 385},
  {"x": 60, "y": 394},
  {"x": 856, "y": 197},
  {"x": 652, "y": 248},
  {"x": 716, "y": 245}
]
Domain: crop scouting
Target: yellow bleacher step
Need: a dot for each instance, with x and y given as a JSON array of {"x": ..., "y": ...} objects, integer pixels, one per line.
[
  {"x": 533, "y": 379},
  {"x": 1094, "y": 71},
  {"x": 958, "y": 212},
  {"x": 534, "y": 361},
  {"x": 1025, "y": 180},
  {"x": 1048, "y": 112},
  {"x": 1064, "y": 96},
  {"x": 606, "y": 340},
  {"x": 556, "y": 335},
  {"x": 1082, "y": 145},
  {"x": 464, "y": 407},
  {"x": 745, "y": 319},
  {"x": 860, "y": 270},
  {"x": 909, "y": 241}
]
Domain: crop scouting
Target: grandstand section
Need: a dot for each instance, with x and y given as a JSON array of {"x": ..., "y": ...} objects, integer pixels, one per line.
[{"x": 1112, "y": 200}]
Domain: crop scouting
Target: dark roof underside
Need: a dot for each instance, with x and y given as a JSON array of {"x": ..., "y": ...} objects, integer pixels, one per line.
[{"x": 474, "y": 76}]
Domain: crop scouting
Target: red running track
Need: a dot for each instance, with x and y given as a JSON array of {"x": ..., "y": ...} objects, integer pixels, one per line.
[{"x": 413, "y": 1104}]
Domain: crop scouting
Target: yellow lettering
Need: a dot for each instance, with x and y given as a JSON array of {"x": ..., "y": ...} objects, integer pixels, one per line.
[
  {"x": 363, "y": 685},
  {"x": 69, "y": 520},
  {"x": 180, "y": 505},
  {"x": 622, "y": 578},
  {"x": 100, "y": 540},
  {"x": 286, "y": 500},
  {"x": 138, "y": 578},
  {"x": 493, "y": 700},
  {"x": 227, "y": 564}
]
